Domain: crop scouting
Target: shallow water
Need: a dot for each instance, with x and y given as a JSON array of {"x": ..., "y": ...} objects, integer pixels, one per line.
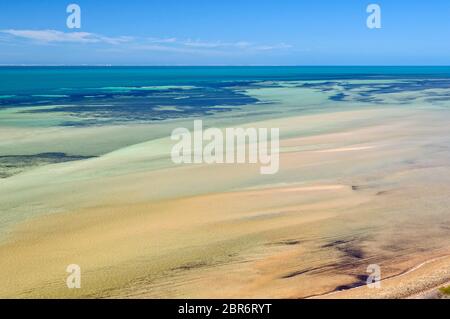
[{"x": 364, "y": 177}]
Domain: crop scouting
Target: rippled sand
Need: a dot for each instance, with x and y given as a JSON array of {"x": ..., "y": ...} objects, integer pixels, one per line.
[{"x": 355, "y": 187}]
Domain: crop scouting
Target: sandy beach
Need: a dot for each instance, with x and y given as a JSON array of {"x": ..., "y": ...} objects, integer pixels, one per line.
[{"x": 355, "y": 187}]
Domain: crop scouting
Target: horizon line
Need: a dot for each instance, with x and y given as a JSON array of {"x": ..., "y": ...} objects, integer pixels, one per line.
[{"x": 223, "y": 65}]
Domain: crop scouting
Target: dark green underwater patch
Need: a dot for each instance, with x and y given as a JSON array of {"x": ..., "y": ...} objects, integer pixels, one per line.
[{"x": 14, "y": 164}]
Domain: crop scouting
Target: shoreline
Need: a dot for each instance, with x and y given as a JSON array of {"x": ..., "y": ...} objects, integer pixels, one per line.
[
  {"x": 350, "y": 194},
  {"x": 413, "y": 295}
]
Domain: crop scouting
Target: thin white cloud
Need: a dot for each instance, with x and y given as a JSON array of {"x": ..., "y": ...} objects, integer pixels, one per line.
[
  {"x": 279, "y": 46},
  {"x": 216, "y": 44},
  {"x": 169, "y": 49},
  {"x": 149, "y": 44},
  {"x": 51, "y": 36},
  {"x": 164, "y": 40}
]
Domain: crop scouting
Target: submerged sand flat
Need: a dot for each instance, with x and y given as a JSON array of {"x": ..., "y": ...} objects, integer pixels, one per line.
[{"x": 355, "y": 187}]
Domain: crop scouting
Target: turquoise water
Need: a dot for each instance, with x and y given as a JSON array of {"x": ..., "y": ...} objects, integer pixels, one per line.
[
  {"x": 105, "y": 95},
  {"x": 43, "y": 79}
]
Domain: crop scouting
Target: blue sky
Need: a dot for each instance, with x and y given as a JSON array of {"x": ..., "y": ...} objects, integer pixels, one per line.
[{"x": 225, "y": 32}]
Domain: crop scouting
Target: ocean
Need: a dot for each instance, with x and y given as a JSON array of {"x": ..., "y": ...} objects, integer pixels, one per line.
[
  {"x": 87, "y": 177},
  {"x": 112, "y": 95}
]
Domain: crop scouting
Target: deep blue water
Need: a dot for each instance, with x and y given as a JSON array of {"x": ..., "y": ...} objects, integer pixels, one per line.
[
  {"x": 111, "y": 94},
  {"x": 44, "y": 79}
]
